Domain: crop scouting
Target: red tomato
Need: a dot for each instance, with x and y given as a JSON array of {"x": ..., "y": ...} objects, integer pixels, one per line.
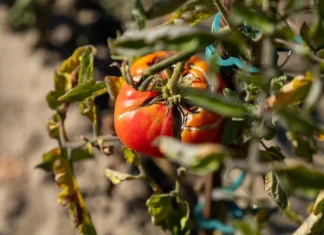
[{"x": 138, "y": 123}]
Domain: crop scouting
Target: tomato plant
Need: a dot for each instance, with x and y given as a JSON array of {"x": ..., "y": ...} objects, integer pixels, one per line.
[
  {"x": 169, "y": 98},
  {"x": 155, "y": 115}
]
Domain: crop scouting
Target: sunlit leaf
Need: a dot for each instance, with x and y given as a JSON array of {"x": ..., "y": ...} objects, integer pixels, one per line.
[
  {"x": 70, "y": 64},
  {"x": 82, "y": 91},
  {"x": 86, "y": 65},
  {"x": 194, "y": 12},
  {"x": 49, "y": 158},
  {"x": 227, "y": 106},
  {"x": 278, "y": 82},
  {"x": 88, "y": 109},
  {"x": 159, "y": 206},
  {"x": 199, "y": 159},
  {"x": 114, "y": 85},
  {"x": 116, "y": 177},
  {"x": 131, "y": 157},
  {"x": 275, "y": 190},
  {"x": 293, "y": 92},
  {"x": 53, "y": 125}
]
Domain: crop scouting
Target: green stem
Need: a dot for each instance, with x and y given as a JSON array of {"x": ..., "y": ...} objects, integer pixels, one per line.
[
  {"x": 293, "y": 216},
  {"x": 168, "y": 62},
  {"x": 173, "y": 81},
  {"x": 143, "y": 174},
  {"x": 83, "y": 143}
]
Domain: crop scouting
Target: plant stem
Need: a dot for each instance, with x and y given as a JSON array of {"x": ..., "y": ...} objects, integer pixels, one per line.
[
  {"x": 173, "y": 81},
  {"x": 143, "y": 173},
  {"x": 77, "y": 145},
  {"x": 221, "y": 8},
  {"x": 182, "y": 56}
]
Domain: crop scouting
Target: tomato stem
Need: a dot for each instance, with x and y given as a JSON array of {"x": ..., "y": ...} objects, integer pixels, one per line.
[
  {"x": 172, "y": 84},
  {"x": 156, "y": 68},
  {"x": 143, "y": 173}
]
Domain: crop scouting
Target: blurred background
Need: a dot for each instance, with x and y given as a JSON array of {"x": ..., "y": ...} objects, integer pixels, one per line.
[{"x": 35, "y": 36}]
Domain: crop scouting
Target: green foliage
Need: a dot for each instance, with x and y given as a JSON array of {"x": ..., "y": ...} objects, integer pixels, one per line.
[
  {"x": 199, "y": 159},
  {"x": 228, "y": 106},
  {"x": 253, "y": 109}
]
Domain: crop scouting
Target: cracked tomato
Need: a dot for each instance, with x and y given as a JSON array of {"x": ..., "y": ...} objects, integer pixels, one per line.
[{"x": 140, "y": 117}]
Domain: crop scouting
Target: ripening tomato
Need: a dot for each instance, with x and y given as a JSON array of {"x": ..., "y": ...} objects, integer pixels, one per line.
[{"x": 140, "y": 117}]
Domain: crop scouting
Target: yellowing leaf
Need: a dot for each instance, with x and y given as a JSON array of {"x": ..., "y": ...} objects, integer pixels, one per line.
[
  {"x": 293, "y": 92},
  {"x": 114, "y": 85},
  {"x": 116, "y": 177},
  {"x": 73, "y": 61},
  {"x": 194, "y": 12},
  {"x": 320, "y": 136}
]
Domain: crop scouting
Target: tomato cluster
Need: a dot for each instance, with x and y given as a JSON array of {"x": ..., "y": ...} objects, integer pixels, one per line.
[{"x": 140, "y": 117}]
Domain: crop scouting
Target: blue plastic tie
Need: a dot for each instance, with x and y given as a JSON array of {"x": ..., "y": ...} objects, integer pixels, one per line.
[{"x": 234, "y": 61}]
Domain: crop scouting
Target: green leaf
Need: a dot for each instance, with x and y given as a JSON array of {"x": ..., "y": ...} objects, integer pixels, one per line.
[
  {"x": 194, "y": 12},
  {"x": 86, "y": 64},
  {"x": 139, "y": 14},
  {"x": 317, "y": 29},
  {"x": 227, "y": 106},
  {"x": 278, "y": 82},
  {"x": 76, "y": 155},
  {"x": 82, "y": 91},
  {"x": 304, "y": 146},
  {"x": 163, "y": 7},
  {"x": 88, "y": 109},
  {"x": 131, "y": 157},
  {"x": 159, "y": 206},
  {"x": 49, "y": 158},
  {"x": 300, "y": 174},
  {"x": 256, "y": 18},
  {"x": 178, "y": 219},
  {"x": 247, "y": 227},
  {"x": 297, "y": 122},
  {"x": 199, "y": 159},
  {"x": 53, "y": 125},
  {"x": 232, "y": 128},
  {"x": 116, "y": 177},
  {"x": 230, "y": 93},
  {"x": 170, "y": 37},
  {"x": 274, "y": 188}
]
